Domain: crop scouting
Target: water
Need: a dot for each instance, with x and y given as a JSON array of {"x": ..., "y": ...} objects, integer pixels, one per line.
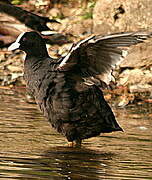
[{"x": 31, "y": 149}]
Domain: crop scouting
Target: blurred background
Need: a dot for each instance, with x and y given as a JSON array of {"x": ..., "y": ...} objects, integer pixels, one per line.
[{"x": 77, "y": 20}]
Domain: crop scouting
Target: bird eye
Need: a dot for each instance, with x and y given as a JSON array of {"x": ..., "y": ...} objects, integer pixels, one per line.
[{"x": 24, "y": 39}]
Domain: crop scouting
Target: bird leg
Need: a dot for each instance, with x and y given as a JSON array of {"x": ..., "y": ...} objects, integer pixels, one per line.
[
  {"x": 76, "y": 143},
  {"x": 71, "y": 144}
]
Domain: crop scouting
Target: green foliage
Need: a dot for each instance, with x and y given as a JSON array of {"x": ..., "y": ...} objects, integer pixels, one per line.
[
  {"x": 88, "y": 14},
  {"x": 91, "y": 4},
  {"x": 16, "y": 2},
  {"x": 59, "y": 16}
]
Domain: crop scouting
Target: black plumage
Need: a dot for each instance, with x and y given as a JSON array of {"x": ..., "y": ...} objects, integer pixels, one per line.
[{"x": 67, "y": 90}]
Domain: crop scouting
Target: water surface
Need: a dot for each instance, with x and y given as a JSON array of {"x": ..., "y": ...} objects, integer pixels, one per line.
[{"x": 31, "y": 149}]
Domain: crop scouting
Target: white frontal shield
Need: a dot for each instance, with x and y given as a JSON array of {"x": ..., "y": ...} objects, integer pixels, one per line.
[{"x": 16, "y": 44}]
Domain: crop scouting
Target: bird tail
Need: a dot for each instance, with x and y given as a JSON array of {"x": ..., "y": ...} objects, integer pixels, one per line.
[{"x": 111, "y": 124}]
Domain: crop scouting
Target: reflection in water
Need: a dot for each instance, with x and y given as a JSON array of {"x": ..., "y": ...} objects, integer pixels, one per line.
[
  {"x": 80, "y": 163},
  {"x": 30, "y": 149},
  {"x": 59, "y": 163}
]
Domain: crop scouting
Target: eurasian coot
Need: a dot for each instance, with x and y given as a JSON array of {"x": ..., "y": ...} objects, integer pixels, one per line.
[
  {"x": 15, "y": 20},
  {"x": 68, "y": 90}
]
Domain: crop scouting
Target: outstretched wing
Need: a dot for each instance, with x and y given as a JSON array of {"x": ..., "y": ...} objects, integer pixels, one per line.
[{"x": 96, "y": 56}]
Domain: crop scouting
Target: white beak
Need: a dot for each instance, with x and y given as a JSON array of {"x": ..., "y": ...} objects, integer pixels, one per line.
[
  {"x": 48, "y": 32},
  {"x": 14, "y": 46}
]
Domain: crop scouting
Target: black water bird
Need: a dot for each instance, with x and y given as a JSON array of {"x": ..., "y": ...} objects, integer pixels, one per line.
[{"x": 68, "y": 90}]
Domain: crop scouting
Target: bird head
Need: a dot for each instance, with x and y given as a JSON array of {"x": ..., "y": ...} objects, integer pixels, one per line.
[{"x": 31, "y": 43}]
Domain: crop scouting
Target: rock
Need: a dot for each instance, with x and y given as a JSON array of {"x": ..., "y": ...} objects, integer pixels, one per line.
[
  {"x": 13, "y": 68},
  {"x": 122, "y": 15},
  {"x": 137, "y": 80},
  {"x": 79, "y": 27},
  {"x": 138, "y": 56},
  {"x": 110, "y": 16},
  {"x": 74, "y": 18},
  {"x": 55, "y": 12},
  {"x": 140, "y": 88},
  {"x": 130, "y": 77}
]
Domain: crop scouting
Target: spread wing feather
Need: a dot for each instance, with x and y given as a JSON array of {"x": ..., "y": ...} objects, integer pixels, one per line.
[{"x": 96, "y": 56}]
